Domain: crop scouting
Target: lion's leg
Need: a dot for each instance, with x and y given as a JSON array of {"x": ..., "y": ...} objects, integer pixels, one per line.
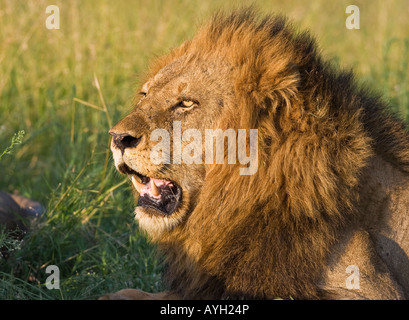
[
  {"x": 385, "y": 202},
  {"x": 135, "y": 294},
  {"x": 356, "y": 271}
]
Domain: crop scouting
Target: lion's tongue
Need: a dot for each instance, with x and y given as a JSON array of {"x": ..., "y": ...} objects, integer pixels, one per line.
[{"x": 152, "y": 188}]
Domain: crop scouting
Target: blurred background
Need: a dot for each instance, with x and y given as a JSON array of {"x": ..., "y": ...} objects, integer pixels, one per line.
[{"x": 66, "y": 87}]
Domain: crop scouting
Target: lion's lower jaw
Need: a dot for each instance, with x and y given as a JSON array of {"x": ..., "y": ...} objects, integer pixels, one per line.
[{"x": 155, "y": 225}]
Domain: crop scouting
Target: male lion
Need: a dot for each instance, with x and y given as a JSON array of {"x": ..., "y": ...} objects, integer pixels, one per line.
[{"x": 324, "y": 216}]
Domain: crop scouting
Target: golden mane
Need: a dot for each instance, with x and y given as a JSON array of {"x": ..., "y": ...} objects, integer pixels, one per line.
[
  {"x": 280, "y": 223},
  {"x": 269, "y": 234}
]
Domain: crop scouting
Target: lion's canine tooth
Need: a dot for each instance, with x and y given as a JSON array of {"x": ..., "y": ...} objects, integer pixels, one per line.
[
  {"x": 154, "y": 188},
  {"x": 138, "y": 186}
]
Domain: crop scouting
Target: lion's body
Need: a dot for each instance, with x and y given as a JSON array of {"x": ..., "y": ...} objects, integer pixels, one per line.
[{"x": 332, "y": 185}]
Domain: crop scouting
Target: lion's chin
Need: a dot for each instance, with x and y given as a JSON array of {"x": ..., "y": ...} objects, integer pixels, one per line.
[{"x": 153, "y": 224}]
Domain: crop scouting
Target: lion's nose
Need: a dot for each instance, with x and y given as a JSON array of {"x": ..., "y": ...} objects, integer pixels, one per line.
[{"x": 124, "y": 140}]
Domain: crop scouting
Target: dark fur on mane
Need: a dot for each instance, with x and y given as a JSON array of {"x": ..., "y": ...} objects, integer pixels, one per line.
[{"x": 268, "y": 235}]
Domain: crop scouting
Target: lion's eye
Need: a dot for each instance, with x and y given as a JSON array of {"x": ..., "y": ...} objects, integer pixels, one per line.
[{"x": 187, "y": 103}]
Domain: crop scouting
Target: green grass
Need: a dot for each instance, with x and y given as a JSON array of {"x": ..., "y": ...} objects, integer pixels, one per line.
[{"x": 66, "y": 87}]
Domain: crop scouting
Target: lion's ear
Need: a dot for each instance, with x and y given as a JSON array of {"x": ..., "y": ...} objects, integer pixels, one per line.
[
  {"x": 280, "y": 87},
  {"x": 270, "y": 84},
  {"x": 267, "y": 88}
]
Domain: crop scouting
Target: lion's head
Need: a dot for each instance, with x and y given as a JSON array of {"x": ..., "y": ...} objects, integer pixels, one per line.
[
  {"x": 266, "y": 232},
  {"x": 190, "y": 92},
  {"x": 206, "y": 84}
]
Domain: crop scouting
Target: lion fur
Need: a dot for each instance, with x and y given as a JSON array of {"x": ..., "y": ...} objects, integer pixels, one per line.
[{"x": 272, "y": 234}]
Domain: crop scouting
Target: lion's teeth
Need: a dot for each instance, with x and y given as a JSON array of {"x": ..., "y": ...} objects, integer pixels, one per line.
[
  {"x": 138, "y": 186},
  {"x": 155, "y": 189}
]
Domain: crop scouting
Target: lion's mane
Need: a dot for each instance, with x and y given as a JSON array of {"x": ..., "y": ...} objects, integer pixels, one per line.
[{"x": 268, "y": 235}]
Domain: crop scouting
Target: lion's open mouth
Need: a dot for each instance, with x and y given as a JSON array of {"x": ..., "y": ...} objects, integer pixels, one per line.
[{"x": 159, "y": 194}]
